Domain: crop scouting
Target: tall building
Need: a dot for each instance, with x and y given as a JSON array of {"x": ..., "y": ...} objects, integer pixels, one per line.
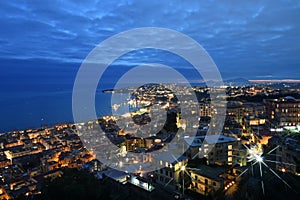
[
  {"x": 284, "y": 111},
  {"x": 253, "y": 109},
  {"x": 218, "y": 149},
  {"x": 235, "y": 109},
  {"x": 206, "y": 109}
]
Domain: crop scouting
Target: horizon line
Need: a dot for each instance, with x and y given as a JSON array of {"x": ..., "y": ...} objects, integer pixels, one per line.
[{"x": 275, "y": 80}]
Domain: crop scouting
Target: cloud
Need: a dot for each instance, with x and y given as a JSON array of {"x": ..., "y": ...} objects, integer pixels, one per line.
[
  {"x": 259, "y": 11},
  {"x": 236, "y": 34}
]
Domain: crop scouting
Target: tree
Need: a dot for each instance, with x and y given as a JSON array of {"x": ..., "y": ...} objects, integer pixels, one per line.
[{"x": 74, "y": 184}]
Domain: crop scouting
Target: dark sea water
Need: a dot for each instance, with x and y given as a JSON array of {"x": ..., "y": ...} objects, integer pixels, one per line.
[
  {"x": 35, "y": 92},
  {"x": 31, "y": 95},
  {"x": 25, "y": 110},
  {"x": 30, "y": 99}
]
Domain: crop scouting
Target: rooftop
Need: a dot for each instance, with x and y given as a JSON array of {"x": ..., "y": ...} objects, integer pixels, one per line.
[
  {"x": 210, "y": 139},
  {"x": 113, "y": 174},
  {"x": 287, "y": 99},
  {"x": 169, "y": 157},
  {"x": 209, "y": 172}
]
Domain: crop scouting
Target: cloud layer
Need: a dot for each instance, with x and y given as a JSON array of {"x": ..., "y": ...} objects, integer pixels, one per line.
[{"x": 241, "y": 36}]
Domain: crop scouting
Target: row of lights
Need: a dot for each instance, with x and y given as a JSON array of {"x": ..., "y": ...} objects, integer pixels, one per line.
[{"x": 229, "y": 185}]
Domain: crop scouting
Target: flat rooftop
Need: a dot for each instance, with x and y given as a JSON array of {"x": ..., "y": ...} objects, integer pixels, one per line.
[{"x": 209, "y": 139}]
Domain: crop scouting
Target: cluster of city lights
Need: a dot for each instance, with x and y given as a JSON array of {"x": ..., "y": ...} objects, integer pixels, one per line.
[
  {"x": 229, "y": 185},
  {"x": 255, "y": 156}
]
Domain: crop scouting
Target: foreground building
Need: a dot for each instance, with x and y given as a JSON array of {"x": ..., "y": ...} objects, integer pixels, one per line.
[
  {"x": 171, "y": 175},
  {"x": 288, "y": 156},
  {"x": 210, "y": 181},
  {"x": 207, "y": 180}
]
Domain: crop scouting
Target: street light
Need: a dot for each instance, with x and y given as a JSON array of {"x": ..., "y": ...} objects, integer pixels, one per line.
[{"x": 183, "y": 169}]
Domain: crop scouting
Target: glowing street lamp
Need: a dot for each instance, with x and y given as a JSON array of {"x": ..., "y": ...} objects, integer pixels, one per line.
[
  {"x": 255, "y": 154},
  {"x": 259, "y": 159},
  {"x": 183, "y": 170}
]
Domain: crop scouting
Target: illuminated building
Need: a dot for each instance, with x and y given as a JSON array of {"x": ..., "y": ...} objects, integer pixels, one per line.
[
  {"x": 254, "y": 121},
  {"x": 236, "y": 110},
  {"x": 169, "y": 175},
  {"x": 253, "y": 109},
  {"x": 4, "y": 161},
  {"x": 206, "y": 109},
  {"x": 17, "y": 151},
  {"x": 218, "y": 149},
  {"x": 3, "y": 194},
  {"x": 288, "y": 156},
  {"x": 284, "y": 111},
  {"x": 207, "y": 180}
]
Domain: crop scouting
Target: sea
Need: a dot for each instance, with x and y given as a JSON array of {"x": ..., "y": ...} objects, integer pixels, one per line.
[
  {"x": 43, "y": 107},
  {"x": 35, "y": 93}
]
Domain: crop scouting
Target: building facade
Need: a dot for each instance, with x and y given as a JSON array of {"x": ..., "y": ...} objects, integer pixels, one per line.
[
  {"x": 207, "y": 180},
  {"x": 288, "y": 156},
  {"x": 284, "y": 111},
  {"x": 217, "y": 149},
  {"x": 170, "y": 175}
]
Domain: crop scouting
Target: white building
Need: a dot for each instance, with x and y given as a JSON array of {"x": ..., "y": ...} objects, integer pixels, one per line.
[{"x": 217, "y": 149}]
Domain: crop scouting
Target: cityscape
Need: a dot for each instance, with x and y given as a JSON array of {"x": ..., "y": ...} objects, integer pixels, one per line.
[
  {"x": 130, "y": 100},
  {"x": 261, "y": 129}
]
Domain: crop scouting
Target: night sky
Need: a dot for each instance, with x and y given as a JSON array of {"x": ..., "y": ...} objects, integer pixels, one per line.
[{"x": 44, "y": 42}]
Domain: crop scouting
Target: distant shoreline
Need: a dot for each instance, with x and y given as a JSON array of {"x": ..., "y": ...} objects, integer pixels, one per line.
[{"x": 275, "y": 81}]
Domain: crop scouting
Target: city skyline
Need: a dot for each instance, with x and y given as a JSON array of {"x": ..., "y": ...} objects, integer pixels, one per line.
[
  {"x": 150, "y": 100},
  {"x": 255, "y": 150},
  {"x": 44, "y": 43}
]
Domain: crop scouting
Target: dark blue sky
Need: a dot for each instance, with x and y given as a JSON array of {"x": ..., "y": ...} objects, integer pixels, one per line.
[
  {"x": 44, "y": 42},
  {"x": 251, "y": 39}
]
